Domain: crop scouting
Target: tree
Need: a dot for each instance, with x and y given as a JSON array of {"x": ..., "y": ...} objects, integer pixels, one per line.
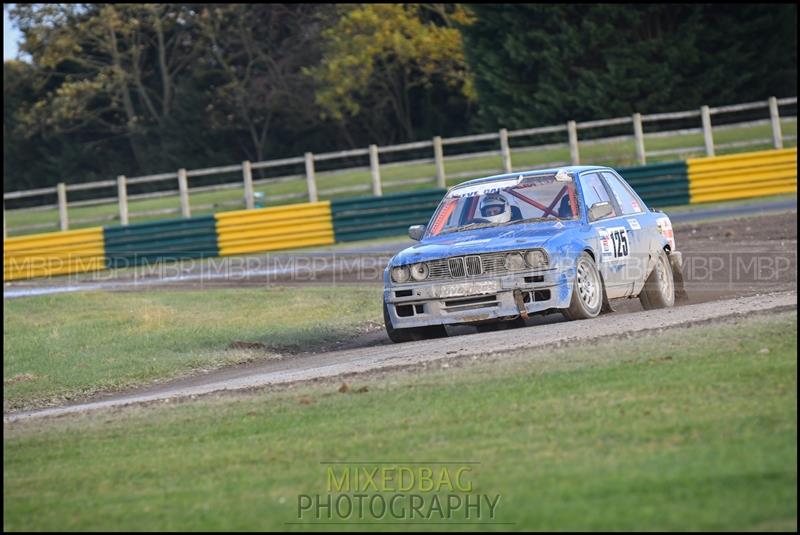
[
  {"x": 544, "y": 64},
  {"x": 19, "y": 82},
  {"x": 112, "y": 68},
  {"x": 380, "y": 61},
  {"x": 254, "y": 72}
]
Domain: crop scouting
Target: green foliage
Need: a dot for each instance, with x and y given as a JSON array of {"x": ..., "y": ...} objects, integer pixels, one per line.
[
  {"x": 544, "y": 64},
  {"x": 255, "y": 80},
  {"x": 145, "y": 88},
  {"x": 18, "y": 94},
  {"x": 138, "y": 88},
  {"x": 378, "y": 55}
]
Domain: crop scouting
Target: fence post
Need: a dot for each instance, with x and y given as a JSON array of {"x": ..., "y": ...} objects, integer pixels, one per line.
[
  {"x": 375, "y": 169},
  {"x": 183, "y": 186},
  {"x": 705, "y": 115},
  {"x": 505, "y": 150},
  {"x": 122, "y": 195},
  {"x": 310, "y": 179},
  {"x": 62, "y": 206},
  {"x": 775, "y": 118},
  {"x": 638, "y": 134},
  {"x": 247, "y": 176},
  {"x": 438, "y": 156},
  {"x": 572, "y": 131}
]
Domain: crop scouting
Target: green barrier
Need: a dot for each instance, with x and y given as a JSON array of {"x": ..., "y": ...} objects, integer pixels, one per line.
[
  {"x": 172, "y": 239},
  {"x": 661, "y": 184},
  {"x": 391, "y": 215}
]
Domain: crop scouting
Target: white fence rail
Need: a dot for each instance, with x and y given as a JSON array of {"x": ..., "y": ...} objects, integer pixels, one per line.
[{"x": 572, "y": 133}]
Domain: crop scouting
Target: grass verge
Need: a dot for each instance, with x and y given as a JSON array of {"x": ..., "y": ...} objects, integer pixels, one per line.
[
  {"x": 65, "y": 346},
  {"x": 691, "y": 429}
]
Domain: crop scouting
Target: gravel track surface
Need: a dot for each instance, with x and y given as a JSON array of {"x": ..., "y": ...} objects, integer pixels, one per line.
[{"x": 367, "y": 359}]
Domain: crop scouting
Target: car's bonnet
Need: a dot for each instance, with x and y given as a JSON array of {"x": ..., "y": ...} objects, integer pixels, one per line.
[{"x": 483, "y": 240}]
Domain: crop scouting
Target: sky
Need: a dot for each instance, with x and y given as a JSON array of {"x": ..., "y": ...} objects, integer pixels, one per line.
[{"x": 10, "y": 36}]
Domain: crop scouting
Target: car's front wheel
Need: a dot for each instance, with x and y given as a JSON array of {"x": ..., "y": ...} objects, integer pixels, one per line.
[
  {"x": 587, "y": 291},
  {"x": 407, "y": 335}
]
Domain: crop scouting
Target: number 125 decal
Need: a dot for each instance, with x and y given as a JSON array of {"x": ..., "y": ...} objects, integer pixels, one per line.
[{"x": 614, "y": 243}]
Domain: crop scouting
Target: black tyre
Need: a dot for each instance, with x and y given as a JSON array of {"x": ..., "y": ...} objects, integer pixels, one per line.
[
  {"x": 426, "y": 333},
  {"x": 407, "y": 335},
  {"x": 676, "y": 261},
  {"x": 587, "y": 291},
  {"x": 607, "y": 307},
  {"x": 659, "y": 288}
]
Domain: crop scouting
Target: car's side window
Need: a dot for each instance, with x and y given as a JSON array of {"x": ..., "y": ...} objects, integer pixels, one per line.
[
  {"x": 628, "y": 202},
  {"x": 594, "y": 191}
]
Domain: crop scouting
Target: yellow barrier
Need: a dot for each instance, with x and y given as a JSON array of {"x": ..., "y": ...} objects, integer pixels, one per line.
[
  {"x": 53, "y": 253},
  {"x": 737, "y": 176},
  {"x": 270, "y": 229}
]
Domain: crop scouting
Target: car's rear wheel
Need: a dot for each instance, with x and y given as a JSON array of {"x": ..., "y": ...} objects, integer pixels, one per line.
[
  {"x": 608, "y": 306},
  {"x": 659, "y": 288},
  {"x": 407, "y": 335},
  {"x": 676, "y": 261},
  {"x": 587, "y": 291}
]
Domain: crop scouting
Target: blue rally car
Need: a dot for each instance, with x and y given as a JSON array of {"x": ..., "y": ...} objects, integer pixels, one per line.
[{"x": 499, "y": 249}]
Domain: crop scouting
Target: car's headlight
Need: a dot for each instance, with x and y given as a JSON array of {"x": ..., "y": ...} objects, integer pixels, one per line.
[
  {"x": 514, "y": 262},
  {"x": 420, "y": 272},
  {"x": 536, "y": 258},
  {"x": 400, "y": 274}
]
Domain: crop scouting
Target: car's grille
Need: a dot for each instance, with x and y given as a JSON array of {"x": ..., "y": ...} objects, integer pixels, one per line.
[
  {"x": 456, "y": 267},
  {"x": 473, "y": 265},
  {"x": 460, "y": 267}
]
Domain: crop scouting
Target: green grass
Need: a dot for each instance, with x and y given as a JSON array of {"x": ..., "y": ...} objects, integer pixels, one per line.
[
  {"x": 613, "y": 153},
  {"x": 693, "y": 429},
  {"x": 66, "y": 346}
]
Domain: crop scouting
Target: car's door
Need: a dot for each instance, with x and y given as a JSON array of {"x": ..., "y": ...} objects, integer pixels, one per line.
[
  {"x": 610, "y": 235},
  {"x": 634, "y": 212}
]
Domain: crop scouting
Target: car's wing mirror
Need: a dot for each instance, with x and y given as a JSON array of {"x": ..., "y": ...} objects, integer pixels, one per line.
[
  {"x": 599, "y": 210},
  {"x": 416, "y": 232}
]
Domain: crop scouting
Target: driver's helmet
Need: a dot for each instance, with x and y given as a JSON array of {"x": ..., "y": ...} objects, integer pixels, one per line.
[{"x": 495, "y": 208}]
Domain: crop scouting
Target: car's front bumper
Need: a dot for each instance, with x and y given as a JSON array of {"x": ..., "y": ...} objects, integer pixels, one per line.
[{"x": 474, "y": 300}]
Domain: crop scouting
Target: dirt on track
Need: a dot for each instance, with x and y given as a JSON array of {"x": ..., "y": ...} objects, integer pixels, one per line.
[
  {"x": 346, "y": 363},
  {"x": 739, "y": 256}
]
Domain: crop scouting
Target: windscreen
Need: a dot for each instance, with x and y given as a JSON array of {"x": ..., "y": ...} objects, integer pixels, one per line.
[{"x": 532, "y": 199}]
